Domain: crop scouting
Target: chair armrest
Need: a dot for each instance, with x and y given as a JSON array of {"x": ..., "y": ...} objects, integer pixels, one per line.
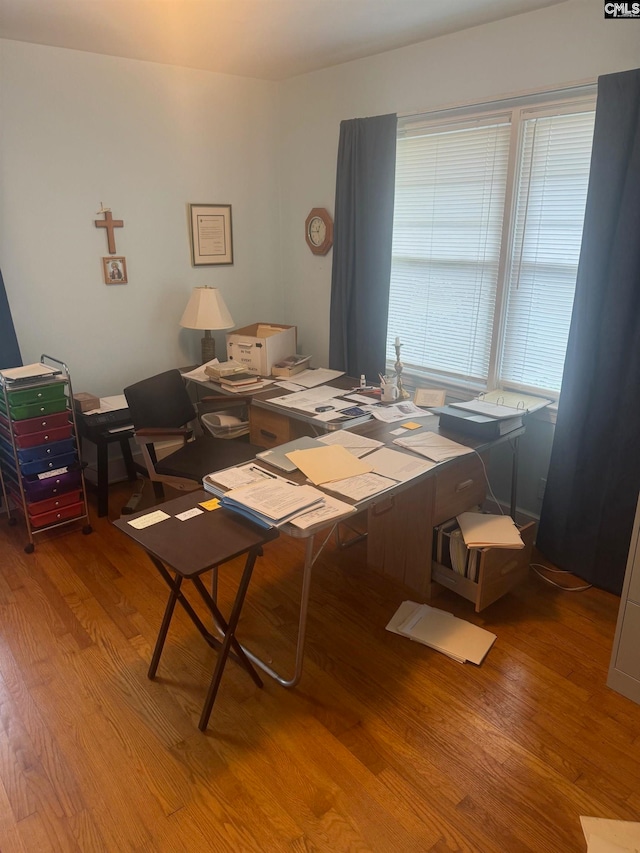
[{"x": 155, "y": 433}]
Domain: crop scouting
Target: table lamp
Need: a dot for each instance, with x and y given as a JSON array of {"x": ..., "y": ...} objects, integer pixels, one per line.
[{"x": 206, "y": 310}]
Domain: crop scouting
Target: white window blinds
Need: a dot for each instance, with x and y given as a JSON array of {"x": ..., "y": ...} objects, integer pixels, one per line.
[
  {"x": 548, "y": 219},
  {"x": 487, "y": 230},
  {"x": 450, "y": 189}
]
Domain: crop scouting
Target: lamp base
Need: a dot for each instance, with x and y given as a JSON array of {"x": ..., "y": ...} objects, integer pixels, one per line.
[{"x": 208, "y": 348}]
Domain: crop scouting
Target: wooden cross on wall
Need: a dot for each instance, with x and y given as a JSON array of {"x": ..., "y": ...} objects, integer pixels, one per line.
[{"x": 109, "y": 223}]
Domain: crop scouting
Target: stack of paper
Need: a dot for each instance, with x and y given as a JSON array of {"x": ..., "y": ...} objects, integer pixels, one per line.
[
  {"x": 271, "y": 503},
  {"x": 482, "y": 530},
  {"x": 359, "y": 445},
  {"x": 442, "y": 631}
]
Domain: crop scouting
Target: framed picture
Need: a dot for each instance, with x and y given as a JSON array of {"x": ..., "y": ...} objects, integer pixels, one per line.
[
  {"x": 115, "y": 270},
  {"x": 211, "y": 238}
]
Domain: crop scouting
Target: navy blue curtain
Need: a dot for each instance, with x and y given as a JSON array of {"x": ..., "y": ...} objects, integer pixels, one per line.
[
  {"x": 9, "y": 349},
  {"x": 594, "y": 474},
  {"x": 363, "y": 231}
]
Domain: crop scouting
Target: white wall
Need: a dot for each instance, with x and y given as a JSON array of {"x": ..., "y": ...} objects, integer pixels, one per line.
[
  {"x": 145, "y": 139},
  {"x": 541, "y": 50}
]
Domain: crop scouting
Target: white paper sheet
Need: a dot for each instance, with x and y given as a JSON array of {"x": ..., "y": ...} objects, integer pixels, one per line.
[
  {"x": 398, "y": 412},
  {"x": 359, "y": 445},
  {"x": 398, "y": 466},
  {"x": 308, "y": 399},
  {"x": 433, "y": 446},
  {"x": 149, "y": 519},
  {"x": 362, "y": 486},
  {"x": 329, "y": 510},
  {"x": 319, "y": 376}
]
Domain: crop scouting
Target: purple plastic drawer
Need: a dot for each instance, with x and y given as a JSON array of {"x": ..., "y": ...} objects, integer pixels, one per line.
[{"x": 49, "y": 487}]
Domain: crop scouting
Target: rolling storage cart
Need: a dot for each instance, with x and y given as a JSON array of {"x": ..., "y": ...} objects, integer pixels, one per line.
[{"x": 39, "y": 458}]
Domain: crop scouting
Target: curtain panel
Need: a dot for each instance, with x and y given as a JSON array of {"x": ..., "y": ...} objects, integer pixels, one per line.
[
  {"x": 594, "y": 474},
  {"x": 9, "y": 349},
  {"x": 362, "y": 238}
]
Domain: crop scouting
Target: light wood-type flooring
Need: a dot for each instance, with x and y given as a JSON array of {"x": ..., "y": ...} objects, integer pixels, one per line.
[{"x": 384, "y": 746}]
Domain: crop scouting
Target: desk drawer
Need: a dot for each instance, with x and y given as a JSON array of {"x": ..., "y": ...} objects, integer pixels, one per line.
[
  {"x": 39, "y": 394},
  {"x": 38, "y": 425},
  {"x": 268, "y": 429},
  {"x": 64, "y": 513},
  {"x": 458, "y": 487}
]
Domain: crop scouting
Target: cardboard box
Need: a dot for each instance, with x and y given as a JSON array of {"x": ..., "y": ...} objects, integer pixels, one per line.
[
  {"x": 85, "y": 402},
  {"x": 259, "y": 346}
]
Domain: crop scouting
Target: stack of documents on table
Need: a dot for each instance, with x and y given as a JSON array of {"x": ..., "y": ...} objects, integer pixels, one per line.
[
  {"x": 218, "y": 483},
  {"x": 442, "y": 631},
  {"x": 271, "y": 503},
  {"x": 483, "y": 530},
  {"x": 361, "y": 486},
  {"x": 277, "y": 456},
  {"x": 433, "y": 446}
]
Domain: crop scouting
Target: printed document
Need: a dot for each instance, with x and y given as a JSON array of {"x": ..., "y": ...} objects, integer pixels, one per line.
[
  {"x": 362, "y": 486},
  {"x": 359, "y": 445},
  {"x": 433, "y": 446},
  {"x": 399, "y": 466},
  {"x": 328, "y": 511},
  {"x": 274, "y": 500},
  {"x": 319, "y": 376},
  {"x": 398, "y": 412},
  {"x": 308, "y": 400}
]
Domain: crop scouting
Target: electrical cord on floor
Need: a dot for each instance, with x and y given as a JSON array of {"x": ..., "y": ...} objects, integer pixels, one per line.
[
  {"x": 537, "y": 566},
  {"x": 132, "y": 504}
]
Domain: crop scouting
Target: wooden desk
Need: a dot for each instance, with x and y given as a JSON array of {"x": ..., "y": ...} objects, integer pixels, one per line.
[{"x": 190, "y": 548}]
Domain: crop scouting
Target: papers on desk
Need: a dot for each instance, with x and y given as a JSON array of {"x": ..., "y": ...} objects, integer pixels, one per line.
[
  {"x": 433, "y": 446},
  {"x": 359, "y": 445},
  {"x": 398, "y": 466},
  {"x": 361, "y": 486},
  {"x": 199, "y": 373},
  {"x": 319, "y": 376},
  {"x": 308, "y": 400},
  {"x": 398, "y": 412},
  {"x": 219, "y": 482},
  {"x": 442, "y": 632},
  {"x": 110, "y": 404},
  {"x": 330, "y": 510},
  {"x": 271, "y": 503},
  {"x": 325, "y": 464}
]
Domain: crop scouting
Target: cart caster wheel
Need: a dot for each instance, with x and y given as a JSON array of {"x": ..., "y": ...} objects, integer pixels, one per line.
[
  {"x": 87, "y": 529},
  {"x": 13, "y": 522},
  {"x": 30, "y": 548}
]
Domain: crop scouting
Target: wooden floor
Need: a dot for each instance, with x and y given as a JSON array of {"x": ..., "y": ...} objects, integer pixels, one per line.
[{"x": 384, "y": 746}]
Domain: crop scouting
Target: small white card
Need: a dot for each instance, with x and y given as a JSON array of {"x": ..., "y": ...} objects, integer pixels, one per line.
[
  {"x": 189, "y": 513},
  {"x": 149, "y": 519}
]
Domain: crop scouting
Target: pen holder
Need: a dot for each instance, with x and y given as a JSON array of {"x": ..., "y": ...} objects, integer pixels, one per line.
[{"x": 389, "y": 391}]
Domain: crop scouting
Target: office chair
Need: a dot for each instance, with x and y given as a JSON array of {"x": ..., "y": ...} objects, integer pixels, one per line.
[{"x": 161, "y": 410}]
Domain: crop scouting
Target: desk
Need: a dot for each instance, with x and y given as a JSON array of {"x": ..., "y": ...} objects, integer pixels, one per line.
[
  {"x": 101, "y": 436},
  {"x": 400, "y": 523},
  {"x": 190, "y": 548}
]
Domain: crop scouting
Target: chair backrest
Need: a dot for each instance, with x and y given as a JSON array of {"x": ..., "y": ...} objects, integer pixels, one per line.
[{"x": 160, "y": 401}]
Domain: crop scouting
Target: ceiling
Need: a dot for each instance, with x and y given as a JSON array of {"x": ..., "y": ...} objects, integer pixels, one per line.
[{"x": 268, "y": 39}]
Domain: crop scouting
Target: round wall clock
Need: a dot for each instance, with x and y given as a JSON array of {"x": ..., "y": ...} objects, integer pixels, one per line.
[{"x": 318, "y": 231}]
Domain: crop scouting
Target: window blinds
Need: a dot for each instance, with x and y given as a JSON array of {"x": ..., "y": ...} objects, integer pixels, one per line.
[
  {"x": 547, "y": 233},
  {"x": 450, "y": 190},
  {"x": 489, "y": 210}
]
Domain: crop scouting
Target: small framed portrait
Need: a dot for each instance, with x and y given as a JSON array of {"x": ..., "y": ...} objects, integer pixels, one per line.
[{"x": 115, "y": 270}]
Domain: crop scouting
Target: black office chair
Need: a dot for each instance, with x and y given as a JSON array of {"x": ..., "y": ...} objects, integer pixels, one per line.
[{"x": 161, "y": 410}]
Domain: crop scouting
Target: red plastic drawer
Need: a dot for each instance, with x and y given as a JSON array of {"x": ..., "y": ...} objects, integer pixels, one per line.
[
  {"x": 46, "y": 422},
  {"x": 65, "y": 513},
  {"x": 33, "y": 439},
  {"x": 52, "y": 504}
]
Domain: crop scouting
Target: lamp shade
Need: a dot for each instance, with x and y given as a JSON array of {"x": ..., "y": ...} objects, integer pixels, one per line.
[{"x": 206, "y": 310}]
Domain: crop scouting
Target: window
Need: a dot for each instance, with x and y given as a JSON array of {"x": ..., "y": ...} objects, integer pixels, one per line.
[{"x": 488, "y": 221}]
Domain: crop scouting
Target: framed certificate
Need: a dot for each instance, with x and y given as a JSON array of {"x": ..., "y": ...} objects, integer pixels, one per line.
[{"x": 211, "y": 237}]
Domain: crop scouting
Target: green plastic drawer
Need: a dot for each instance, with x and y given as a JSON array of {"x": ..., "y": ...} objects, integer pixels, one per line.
[
  {"x": 36, "y": 394},
  {"x": 34, "y": 410}
]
